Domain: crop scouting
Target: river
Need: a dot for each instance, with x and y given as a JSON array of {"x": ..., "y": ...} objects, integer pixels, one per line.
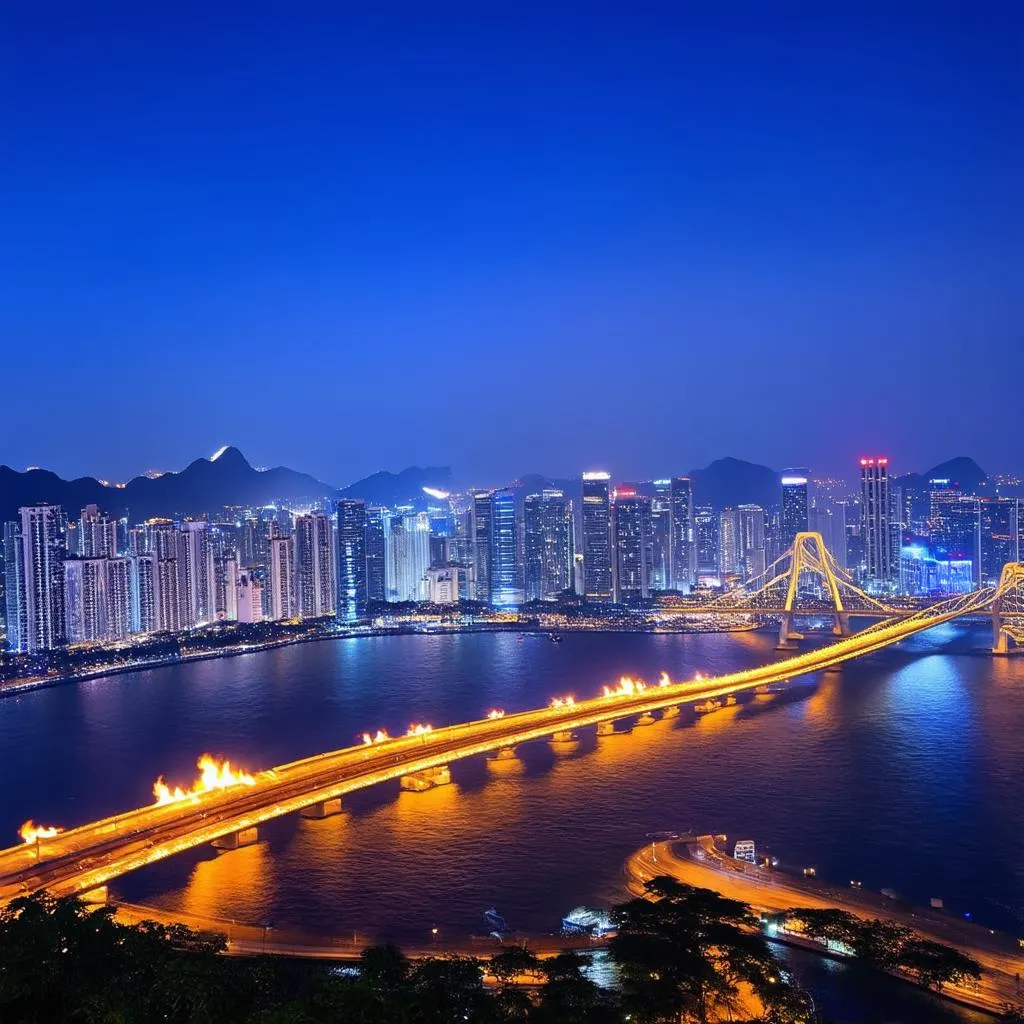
[{"x": 904, "y": 770}]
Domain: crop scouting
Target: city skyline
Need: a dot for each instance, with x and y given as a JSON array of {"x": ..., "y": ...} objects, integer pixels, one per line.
[{"x": 379, "y": 212}]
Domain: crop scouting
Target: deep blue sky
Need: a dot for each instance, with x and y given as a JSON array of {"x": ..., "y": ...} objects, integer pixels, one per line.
[{"x": 511, "y": 238}]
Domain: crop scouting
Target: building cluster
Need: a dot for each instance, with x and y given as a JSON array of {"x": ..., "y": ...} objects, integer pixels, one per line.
[{"x": 100, "y": 580}]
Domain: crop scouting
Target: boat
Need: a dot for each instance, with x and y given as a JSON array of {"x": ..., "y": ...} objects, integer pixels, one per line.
[
  {"x": 555, "y": 638},
  {"x": 495, "y": 922},
  {"x": 590, "y": 921}
]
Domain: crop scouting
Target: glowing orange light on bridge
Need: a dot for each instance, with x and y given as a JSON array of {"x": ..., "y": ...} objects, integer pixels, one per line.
[
  {"x": 563, "y": 702},
  {"x": 496, "y": 713},
  {"x": 380, "y": 736},
  {"x": 418, "y": 730},
  {"x": 628, "y": 687},
  {"x": 32, "y": 833},
  {"x": 213, "y": 775},
  {"x": 664, "y": 680}
]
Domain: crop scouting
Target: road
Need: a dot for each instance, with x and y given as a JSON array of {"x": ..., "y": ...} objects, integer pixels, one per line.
[
  {"x": 700, "y": 864},
  {"x": 91, "y": 855}
]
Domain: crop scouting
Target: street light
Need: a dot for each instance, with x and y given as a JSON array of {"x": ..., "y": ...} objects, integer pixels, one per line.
[{"x": 433, "y": 935}]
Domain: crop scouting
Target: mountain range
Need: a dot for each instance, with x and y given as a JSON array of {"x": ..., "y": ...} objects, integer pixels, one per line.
[{"x": 207, "y": 485}]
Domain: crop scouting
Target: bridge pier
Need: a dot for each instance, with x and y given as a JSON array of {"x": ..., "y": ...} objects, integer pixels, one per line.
[
  {"x": 842, "y": 626},
  {"x": 236, "y": 840},
  {"x": 787, "y": 638},
  {"x": 323, "y": 809},
  {"x": 645, "y": 719},
  {"x": 429, "y": 778},
  {"x": 504, "y": 754},
  {"x": 1000, "y": 637},
  {"x": 564, "y": 736},
  {"x": 608, "y": 729},
  {"x": 670, "y": 712}
]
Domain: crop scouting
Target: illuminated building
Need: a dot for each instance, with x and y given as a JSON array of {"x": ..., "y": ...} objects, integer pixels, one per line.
[
  {"x": 632, "y": 527},
  {"x": 447, "y": 584},
  {"x": 728, "y": 542},
  {"x": 250, "y": 598},
  {"x": 144, "y": 600},
  {"x": 705, "y": 528},
  {"x": 956, "y": 532},
  {"x": 42, "y": 555},
  {"x": 1000, "y": 525},
  {"x": 225, "y": 574},
  {"x": 376, "y": 555},
  {"x": 750, "y": 530},
  {"x": 682, "y": 535},
  {"x": 119, "y": 598},
  {"x": 923, "y": 575},
  {"x": 97, "y": 534},
  {"x": 879, "y": 532},
  {"x": 314, "y": 566},
  {"x": 597, "y": 544},
  {"x": 353, "y": 560},
  {"x": 660, "y": 570},
  {"x": 167, "y": 594},
  {"x": 547, "y": 543},
  {"x": 85, "y": 599},
  {"x": 195, "y": 569},
  {"x": 828, "y": 517},
  {"x": 506, "y": 588},
  {"x": 280, "y": 578},
  {"x": 481, "y": 533},
  {"x": 407, "y": 542},
  {"x": 794, "y": 506},
  {"x": 15, "y": 601}
]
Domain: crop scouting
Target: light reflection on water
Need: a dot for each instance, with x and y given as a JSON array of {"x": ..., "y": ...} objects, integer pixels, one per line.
[{"x": 903, "y": 769}]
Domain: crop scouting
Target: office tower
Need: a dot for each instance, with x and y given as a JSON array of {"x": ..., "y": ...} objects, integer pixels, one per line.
[
  {"x": 447, "y": 584},
  {"x": 250, "y": 598},
  {"x": 43, "y": 554},
  {"x": 956, "y": 532},
  {"x": 376, "y": 555},
  {"x": 750, "y": 527},
  {"x": 794, "y": 506},
  {"x": 659, "y": 574},
  {"x": 923, "y": 575},
  {"x": 632, "y": 530},
  {"x": 97, "y": 534},
  {"x": 1000, "y": 527},
  {"x": 682, "y": 539},
  {"x": 547, "y": 532},
  {"x": 597, "y": 543},
  {"x": 353, "y": 560},
  {"x": 828, "y": 516},
  {"x": 878, "y": 530},
  {"x": 225, "y": 570},
  {"x": 314, "y": 566},
  {"x": 144, "y": 596},
  {"x": 705, "y": 528},
  {"x": 506, "y": 589},
  {"x": 15, "y": 600},
  {"x": 728, "y": 542},
  {"x": 281, "y": 577},
  {"x": 195, "y": 574},
  {"x": 407, "y": 555},
  {"x": 85, "y": 599},
  {"x": 481, "y": 512}
]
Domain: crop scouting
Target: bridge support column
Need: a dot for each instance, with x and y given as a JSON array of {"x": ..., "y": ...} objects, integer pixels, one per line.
[
  {"x": 670, "y": 712},
  {"x": 323, "y": 809},
  {"x": 429, "y": 778},
  {"x": 504, "y": 754},
  {"x": 1000, "y": 639},
  {"x": 606, "y": 729},
  {"x": 235, "y": 840},
  {"x": 787, "y": 638},
  {"x": 645, "y": 719},
  {"x": 842, "y": 626},
  {"x": 563, "y": 736}
]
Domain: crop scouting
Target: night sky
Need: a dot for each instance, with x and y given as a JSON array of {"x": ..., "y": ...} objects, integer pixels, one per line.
[{"x": 543, "y": 239}]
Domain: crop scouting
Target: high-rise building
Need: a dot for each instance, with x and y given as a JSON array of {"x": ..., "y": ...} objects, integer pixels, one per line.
[
  {"x": 85, "y": 599},
  {"x": 506, "y": 588},
  {"x": 794, "y": 506},
  {"x": 956, "y": 533},
  {"x": 97, "y": 534},
  {"x": 706, "y": 531},
  {"x": 597, "y": 543},
  {"x": 144, "y": 594},
  {"x": 15, "y": 599},
  {"x": 447, "y": 584},
  {"x": 376, "y": 555},
  {"x": 281, "y": 578},
  {"x": 43, "y": 555},
  {"x": 547, "y": 543},
  {"x": 195, "y": 574},
  {"x": 225, "y": 572},
  {"x": 632, "y": 526},
  {"x": 250, "y": 598},
  {"x": 481, "y": 531},
  {"x": 659, "y": 576},
  {"x": 314, "y": 566},
  {"x": 408, "y": 555},
  {"x": 879, "y": 532},
  {"x": 1001, "y": 526},
  {"x": 683, "y": 546},
  {"x": 353, "y": 560},
  {"x": 728, "y": 542},
  {"x": 750, "y": 527}
]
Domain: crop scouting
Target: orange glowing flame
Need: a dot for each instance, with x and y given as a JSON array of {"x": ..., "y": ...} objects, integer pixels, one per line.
[
  {"x": 628, "y": 687},
  {"x": 213, "y": 775},
  {"x": 379, "y": 737},
  {"x": 698, "y": 678},
  {"x": 496, "y": 713},
  {"x": 418, "y": 730},
  {"x": 563, "y": 702},
  {"x": 664, "y": 680},
  {"x": 32, "y": 833}
]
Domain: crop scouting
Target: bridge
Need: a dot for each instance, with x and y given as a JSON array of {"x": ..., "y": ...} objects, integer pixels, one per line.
[{"x": 228, "y": 811}]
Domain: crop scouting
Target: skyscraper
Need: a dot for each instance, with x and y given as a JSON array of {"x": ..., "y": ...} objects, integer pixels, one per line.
[
  {"x": 97, "y": 534},
  {"x": 705, "y": 528},
  {"x": 794, "y": 506},
  {"x": 682, "y": 541},
  {"x": 547, "y": 545},
  {"x": 632, "y": 519},
  {"x": 506, "y": 589},
  {"x": 956, "y": 533},
  {"x": 408, "y": 556},
  {"x": 85, "y": 599},
  {"x": 195, "y": 574},
  {"x": 43, "y": 555},
  {"x": 728, "y": 542},
  {"x": 15, "y": 600},
  {"x": 597, "y": 553},
  {"x": 1001, "y": 526},
  {"x": 145, "y": 600},
  {"x": 481, "y": 523},
  {"x": 281, "y": 577},
  {"x": 660, "y": 570},
  {"x": 376, "y": 555},
  {"x": 881, "y": 547},
  {"x": 353, "y": 560},
  {"x": 314, "y": 566},
  {"x": 750, "y": 527}
]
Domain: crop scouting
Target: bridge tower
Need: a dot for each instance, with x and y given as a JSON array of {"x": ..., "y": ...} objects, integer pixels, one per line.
[
  {"x": 1008, "y": 609},
  {"x": 809, "y": 556}
]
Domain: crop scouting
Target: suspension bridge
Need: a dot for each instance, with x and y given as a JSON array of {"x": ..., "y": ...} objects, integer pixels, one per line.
[{"x": 805, "y": 582}]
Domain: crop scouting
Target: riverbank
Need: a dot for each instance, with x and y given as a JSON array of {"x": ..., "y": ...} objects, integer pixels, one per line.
[{"x": 699, "y": 862}]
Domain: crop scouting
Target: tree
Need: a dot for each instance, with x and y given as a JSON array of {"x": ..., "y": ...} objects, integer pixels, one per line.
[
  {"x": 513, "y": 962},
  {"x": 685, "y": 952},
  {"x": 879, "y": 943},
  {"x": 828, "y": 925},
  {"x": 935, "y": 965},
  {"x": 568, "y": 996}
]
